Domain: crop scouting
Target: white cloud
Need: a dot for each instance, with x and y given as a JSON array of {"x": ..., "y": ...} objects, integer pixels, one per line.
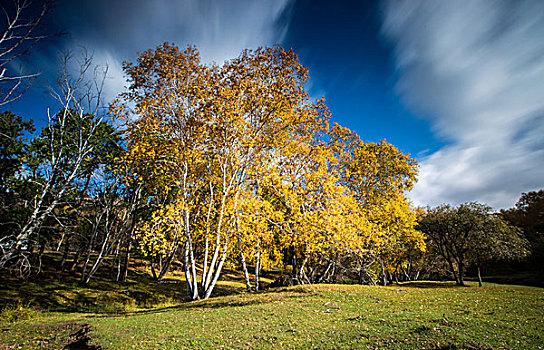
[
  {"x": 116, "y": 30},
  {"x": 114, "y": 82},
  {"x": 475, "y": 69}
]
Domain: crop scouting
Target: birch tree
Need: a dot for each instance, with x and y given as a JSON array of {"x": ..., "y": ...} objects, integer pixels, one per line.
[
  {"x": 203, "y": 133},
  {"x": 63, "y": 152}
]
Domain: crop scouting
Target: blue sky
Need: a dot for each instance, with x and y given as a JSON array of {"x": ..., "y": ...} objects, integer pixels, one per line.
[
  {"x": 457, "y": 84},
  {"x": 352, "y": 65}
]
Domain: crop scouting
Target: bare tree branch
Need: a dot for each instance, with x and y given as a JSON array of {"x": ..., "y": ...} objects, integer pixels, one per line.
[
  {"x": 23, "y": 31},
  {"x": 66, "y": 152}
]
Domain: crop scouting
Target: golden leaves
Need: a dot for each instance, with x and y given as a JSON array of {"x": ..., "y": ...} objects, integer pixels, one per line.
[{"x": 243, "y": 149}]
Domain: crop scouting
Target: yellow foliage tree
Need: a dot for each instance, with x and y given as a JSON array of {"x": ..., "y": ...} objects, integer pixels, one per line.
[
  {"x": 380, "y": 175},
  {"x": 235, "y": 160}
]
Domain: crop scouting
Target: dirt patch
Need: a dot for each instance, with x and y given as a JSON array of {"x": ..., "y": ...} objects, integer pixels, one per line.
[
  {"x": 53, "y": 335},
  {"x": 82, "y": 339},
  {"x": 282, "y": 281}
]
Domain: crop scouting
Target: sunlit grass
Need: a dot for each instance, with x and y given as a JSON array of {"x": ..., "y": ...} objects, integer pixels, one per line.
[{"x": 408, "y": 316}]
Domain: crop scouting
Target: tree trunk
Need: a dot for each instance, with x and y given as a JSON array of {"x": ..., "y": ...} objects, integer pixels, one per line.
[
  {"x": 114, "y": 264},
  {"x": 246, "y": 272},
  {"x": 383, "y": 273},
  {"x": 479, "y": 277},
  {"x": 217, "y": 272},
  {"x": 42, "y": 248},
  {"x": 186, "y": 268},
  {"x": 153, "y": 272},
  {"x": 293, "y": 262},
  {"x": 406, "y": 274},
  {"x": 84, "y": 269},
  {"x": 74, "y": 262},
  {"x": 104, "y": 252},
  {"x": 305, "y": 276},
  {"x": 322, "y": 277},
  {"x": 204, "y": 282},
  {"x": 301, "y": 273},
  {"x": 454, "y": 272},
  {"x": 205, "y": 264},
  {"x": 257, "y": 267},
  {"x": 332, "y": 274},
  {"x": 244, "y": 266},
  {"x": 207, "y": 277},
  {"x": 416, "y": 277},
  {"x": 192, "y": 261},
  {"x": 168, "y": 262},
  {"x": 461, "y": 274},
  {"x": 372, "y": 280},
  {"x": 124, "y": 271},
  {"x": 65, "y": 253},
  {"x": 118, "y": 275},
  {"x": 362, "y": 276}
]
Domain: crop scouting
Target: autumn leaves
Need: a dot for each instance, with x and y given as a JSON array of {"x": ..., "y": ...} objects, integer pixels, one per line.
[{"x": 240, "y": 166}]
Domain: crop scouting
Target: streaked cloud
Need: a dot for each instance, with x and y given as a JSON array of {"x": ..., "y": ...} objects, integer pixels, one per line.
[
  {"x": 475, "y": 70},
  {"x": 116, "y": 30}
]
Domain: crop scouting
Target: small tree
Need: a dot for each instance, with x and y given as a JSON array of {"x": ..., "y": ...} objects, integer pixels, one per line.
[
  {"x": 470, "y": 233},
  {"x": 14, "y": 151},
  {"x": 528, "y": 215},
  {"x": 497, "y": 240}
]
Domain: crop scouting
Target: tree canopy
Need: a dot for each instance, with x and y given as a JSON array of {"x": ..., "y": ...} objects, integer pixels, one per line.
[
  {"x": 237, "y": 160},
  {"x": 471, "y": 233}
]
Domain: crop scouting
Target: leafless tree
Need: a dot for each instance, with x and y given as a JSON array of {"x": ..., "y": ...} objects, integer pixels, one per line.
[
  {"x": 112, "y": 220},
  {"x": 21, "y": 29},
  {"x": 79, "y": 96}
]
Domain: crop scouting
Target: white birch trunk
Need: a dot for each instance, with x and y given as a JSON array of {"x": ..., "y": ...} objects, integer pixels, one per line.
[{"x": 257, "y": 266}]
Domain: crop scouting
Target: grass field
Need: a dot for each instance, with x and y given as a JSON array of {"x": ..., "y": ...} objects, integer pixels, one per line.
[{"x": 424, "y": 315}]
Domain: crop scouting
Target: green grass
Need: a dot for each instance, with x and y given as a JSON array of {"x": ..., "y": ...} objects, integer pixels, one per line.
[
  {"x": 55, "y": 291},
  {"x": 408, "y": 316}
]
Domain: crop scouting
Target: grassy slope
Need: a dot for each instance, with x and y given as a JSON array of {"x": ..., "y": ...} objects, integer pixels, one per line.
[
  {"x": 57, "y": 291},
  {"x": 409, "y": 316}
]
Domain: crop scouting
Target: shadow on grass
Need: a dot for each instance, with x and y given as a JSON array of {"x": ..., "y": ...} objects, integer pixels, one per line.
[
  {"x": 55, "y": 290},
  {"x": 219, "y": 303},
  {"x": 58, "y": 291},
  {"x": 429, "y": 284}
]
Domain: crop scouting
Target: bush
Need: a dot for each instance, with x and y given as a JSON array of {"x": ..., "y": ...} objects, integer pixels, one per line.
[{"x": 17, "y": 312}]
